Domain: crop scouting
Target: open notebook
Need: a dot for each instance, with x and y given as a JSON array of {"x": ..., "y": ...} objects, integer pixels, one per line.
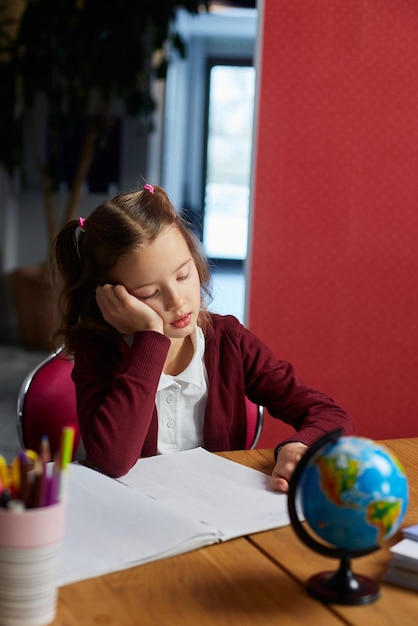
[{"x": 164, "y": 506}]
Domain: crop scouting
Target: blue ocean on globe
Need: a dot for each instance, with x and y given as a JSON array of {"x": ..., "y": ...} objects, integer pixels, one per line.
[{"x": 353, "y": 493}]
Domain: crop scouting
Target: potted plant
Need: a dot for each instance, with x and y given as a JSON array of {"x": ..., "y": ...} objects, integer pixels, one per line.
[{"x": 70, "y": 61}]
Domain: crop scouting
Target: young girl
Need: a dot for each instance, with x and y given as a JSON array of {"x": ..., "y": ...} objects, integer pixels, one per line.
[{"x": 154, "y": 370}]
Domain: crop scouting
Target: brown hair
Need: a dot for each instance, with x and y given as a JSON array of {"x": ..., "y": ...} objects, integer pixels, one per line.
[{"x": 85, "y": 251}]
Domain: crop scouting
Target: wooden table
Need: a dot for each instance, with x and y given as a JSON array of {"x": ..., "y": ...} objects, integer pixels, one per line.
[
  {"x": 250, "y": 581},
  {"x": 396, "y": 605}
]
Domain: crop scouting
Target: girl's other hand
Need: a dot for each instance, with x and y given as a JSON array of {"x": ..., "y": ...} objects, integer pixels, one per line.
[
  {"x": 125, "y": 312},
  {"x": 287, "y": 459}
]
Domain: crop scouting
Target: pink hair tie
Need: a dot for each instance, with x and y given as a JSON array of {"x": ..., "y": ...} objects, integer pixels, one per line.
[
  {"x": 81, "y": 222},
  {"x": 149, "y": 188}
]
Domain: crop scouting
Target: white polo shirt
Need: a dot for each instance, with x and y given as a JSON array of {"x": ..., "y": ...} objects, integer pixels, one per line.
[{"x": 181, "y": 403}]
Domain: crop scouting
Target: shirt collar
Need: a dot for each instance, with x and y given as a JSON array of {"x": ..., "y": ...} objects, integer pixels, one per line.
[{"x": 194, "y": 372}]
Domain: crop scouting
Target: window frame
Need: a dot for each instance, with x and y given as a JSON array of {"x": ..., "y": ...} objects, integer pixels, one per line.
[{"x": 230, "y": 36}]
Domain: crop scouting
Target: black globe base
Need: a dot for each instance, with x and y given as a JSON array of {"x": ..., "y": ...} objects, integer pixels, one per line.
[{"x": 343, "y": 587}]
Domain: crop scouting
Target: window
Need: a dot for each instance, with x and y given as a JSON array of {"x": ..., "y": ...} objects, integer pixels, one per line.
[
  {"x": 208, "y": 125},
  {"x": 228, "y": 160}
]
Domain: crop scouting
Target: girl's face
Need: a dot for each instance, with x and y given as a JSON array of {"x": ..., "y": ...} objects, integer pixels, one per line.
[{"x": 163, "y": 275}]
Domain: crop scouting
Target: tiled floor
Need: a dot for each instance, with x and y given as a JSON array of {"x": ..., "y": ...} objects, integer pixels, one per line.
[{"x": 16, "y": 362}]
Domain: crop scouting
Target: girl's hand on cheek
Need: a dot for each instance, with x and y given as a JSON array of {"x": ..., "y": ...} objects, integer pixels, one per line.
[{"x": 125, "y": 312}]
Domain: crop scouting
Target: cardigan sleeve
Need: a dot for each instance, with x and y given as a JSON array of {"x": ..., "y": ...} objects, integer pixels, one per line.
[
  {"x": 239, "y": 363},
  {"x": 274, "y": 384},
  {"x": 115, "y": 390}
]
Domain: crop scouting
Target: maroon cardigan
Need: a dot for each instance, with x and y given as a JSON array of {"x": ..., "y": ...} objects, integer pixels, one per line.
[{"x": 116, "y": 387}]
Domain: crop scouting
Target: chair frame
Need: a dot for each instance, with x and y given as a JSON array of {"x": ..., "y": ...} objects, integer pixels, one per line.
[{"x": 260, "y": 422}]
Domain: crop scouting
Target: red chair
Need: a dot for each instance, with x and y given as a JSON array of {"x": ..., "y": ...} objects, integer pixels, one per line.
[{"x": 46, "y": 403}]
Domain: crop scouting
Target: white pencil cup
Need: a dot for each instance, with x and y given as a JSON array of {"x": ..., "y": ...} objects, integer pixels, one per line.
[{"x": 30, "y": 543}]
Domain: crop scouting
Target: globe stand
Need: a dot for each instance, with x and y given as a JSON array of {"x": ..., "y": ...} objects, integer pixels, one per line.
[{"x": 341, "y": 586}]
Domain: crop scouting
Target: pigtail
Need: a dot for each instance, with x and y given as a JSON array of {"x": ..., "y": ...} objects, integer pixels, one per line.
[
  {"x": 65, "y": 254},
  {"x": 66, "y": 269}
]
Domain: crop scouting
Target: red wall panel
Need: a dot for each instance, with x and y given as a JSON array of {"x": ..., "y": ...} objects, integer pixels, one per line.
[{"x": 334, "y": 235}]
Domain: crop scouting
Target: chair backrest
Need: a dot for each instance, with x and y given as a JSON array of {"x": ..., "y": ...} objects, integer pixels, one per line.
[{"x": 46, "y": 403}]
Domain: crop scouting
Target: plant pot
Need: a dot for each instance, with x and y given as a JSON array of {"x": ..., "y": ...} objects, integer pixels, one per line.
[{"x": 36, "y": 307}]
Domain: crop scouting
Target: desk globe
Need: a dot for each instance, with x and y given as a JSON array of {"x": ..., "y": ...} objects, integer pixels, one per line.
[{"x": 353, "y": 494}]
